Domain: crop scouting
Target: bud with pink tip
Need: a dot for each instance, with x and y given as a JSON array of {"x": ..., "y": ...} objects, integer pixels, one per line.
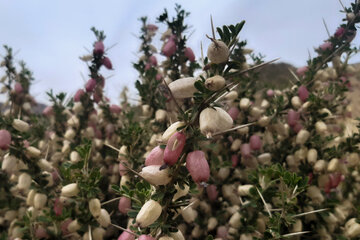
[
  {"x": 5, "y": 139},
  {"x": 78, "y": 95},
  {"x": 169, "y": 48},
  {"x": 303, "y": 93},
  {"x": 255, "y": 142},
  {"x": 326, "y": 46},
  {"x": 107, "y": 63},
  {"x": 115, "y": 109},
  {"x": 245, "y": 150},
  {"x": 302, "y": 70},
  {"x": 174, "y": 148},
  {"x": 64, "y": 226},
  {"x": 126, "y": 236},
  {"x": 18, "y": 88},
  {"x": 48, "y": 111},
  {"x": 158, "y": 77},
  {"x": 40, "y": 232},
  {"x": 155, "y": 157},
  {"x": 151, "y": 27},
  {"x": 58, "y": 207},
  {"x": 153, "y": 60},
  {"x": 270, "y": 93},
  {"x": 298, "y": 126},
  {"x": 189, "y": 54},
  {"x": 222, "y": 232},
  {"x": 99, "y": 48},
  {"x": 339, "y": 32},
  {"x": 212, "y": 192},
  {"x": 146, "y": 237},
  {"x": 198, "y": 166},
  {"x": 293, "y": 117},
  {"x": 233, "y": 112},
  {"x": 90, "y": 85},
  {"x": 97, "y": 97},
  {"x": 124, "y": 205},
  {"x": 234, "y": 160}
]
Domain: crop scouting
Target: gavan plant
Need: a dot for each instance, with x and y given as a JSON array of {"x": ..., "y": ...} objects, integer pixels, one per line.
[{"x": 205, "y": 155}]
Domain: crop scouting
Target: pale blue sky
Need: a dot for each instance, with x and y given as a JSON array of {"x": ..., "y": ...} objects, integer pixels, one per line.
[{"x": 50, "y": 35}]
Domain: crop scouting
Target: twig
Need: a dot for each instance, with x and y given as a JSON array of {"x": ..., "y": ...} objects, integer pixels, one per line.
[
  {"x": 294, "y": 75},
  {"x": 212, "y": 26},
  {"x": 111, "y": 200},
  {"x": 293, "y": 234},
  {"x": 90, "y": 236},
  {"x": 265, "y": 204},
  {"x": 307, "y": 213},
  {"x": 234, "y": 128}
]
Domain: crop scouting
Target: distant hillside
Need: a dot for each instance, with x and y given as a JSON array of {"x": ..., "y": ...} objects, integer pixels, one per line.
[{"x": 276, "y": 75}]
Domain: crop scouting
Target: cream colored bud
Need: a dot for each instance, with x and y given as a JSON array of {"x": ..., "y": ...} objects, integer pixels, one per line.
[
  {"x": 235, "y": 146},
  {"x": 243, "y": 131},
  {"x": 74, "y": 226},
  {"x": 98, "y": 233},
  {"x": 320, "y": 165},
  {"x": 312, "y": 156},
  {"x": 78, "y": 108},
  {"x": 125, "y": 180},
  {"x": 244, "y": 190},
  {"x": 70, "y": 190},
  {"x": 189, "y": 214},
  {"x": 214, "y": 120},
  {"x": 223, "y": 173},
  {"x": 177, "y": 235},
  {"x": 95, "y": 207},
  {"x": 333, "y": 165},
  {"x": 212, "y": 223},
  {"x": 20, "y": 125},
  {"x": 9, "y": 163},
  {"x": 45, "y": 165},
  {"x": 196, "y": 232},
  {"x": 218, "y": 52},
  {"x": 69, "y": 134},
  {"x": 155, "y": 176},
  {"x": 231, "y": 96},
  {"x": 264, "y": 121},
  {"x": 166, "y": 238},
  {"x": 315, "y": 194},
  {"x": 171, "y": 130},
  {"x": 30, "y": 197},
  {"x": 160, "y": 115},
  {"x": 75, "y": 157},
  {"x": 235, "y": 220},
  {"x": 353, "y": 159},
  {"x": 296, "y": 102},
  {"x": 353, "y": 231},
  {"x": 302, "y": 136},
  {"x": 146, "y": 110},
  {"x": 73, "y": 121},
  {"x": 33, "y": 152},
  {"x": 24, "y": 181},
  {"x": 148, "y": 213},
  {"x": 244, "y": 103},
  {"x": 104, "y": 218},
  {"x": 264, "y": 159},
  {"x": 264, "y": 104},
  {"x": 320, "y": 127},
  {"x": 215, "y": 83},
  {"x": 40, "y": 200},
  {"x": 183, "y": 87}
]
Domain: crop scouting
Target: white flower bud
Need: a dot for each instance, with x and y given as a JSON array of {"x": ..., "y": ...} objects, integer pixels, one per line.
[
  {"x": 70, "y": 190},
  {"x": 40, "y": 200},
  {"x": 315, "y": 194},
  {"x": 95, "y": 207},
  {"x": 171, "y": 130},
  {"x": 183, "y": 87},
  {"x": 320, "y": 127},
  {"x": 215, "y": 83},
  {"x": 235, "y": 146},
  {"x": 196, "y": 232},
  {"x": 312, "y": 156},
  {"x": 235, "y": 220},
  {"x": 264, "y": 159},
  {"x": 214, "y": 120},
  {"x": 218, "y": 52},
  {"x": 45, "y": 165},
  {"x": 155, "y": 176},
  {"x": 69, "y": 134},
  {"x": 244, "y": 190},
  {"x": 333, "y": 165},
  {"x": 78, "y": 108},
  {"x": 104, "y": 218},
  {"x": 231, "y": 96},
  {"x": 98, "y": 233},
  {"x": 20, "y": 125},
  {"x": 302, "y": 136},
  {"x": 353, "y": 231},
  {"x": 10, "y": 215},
  {"x": 353, "y": 159},
  {"x": 75, "y": 157},
  {"x": 73, "y": 121},
  {"x": 177, "y": 235},
  {"x": 189, "y": 214},
  {"x": 212, "y": 223},
  {"x": 24, "y": 181},
  {"x": 160, "y": 115},
  {"x": 223, "y": 173},
  {"x": 33, "y": 152},
  {"x": 148, "y": 213},
  {"x": 296, "y": 102},
  {"x": 146, "y": 110},
  {"x": 320, "y": 165},
  {"x": 264, "y": 121},
  {"x": 166, "y": 238},
  {"x": 244, "y": 103},
  {"x": 9, "y": 163},
  {"x": 30, "y": 197},
  {"x": 73, "y": 226}
]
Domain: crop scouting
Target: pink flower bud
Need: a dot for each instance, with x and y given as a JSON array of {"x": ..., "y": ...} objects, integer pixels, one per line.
[
  {"x": 58, "y": 207},
  {"x": 169, "y": 48},
  {"x": 302, "y": 70},
  {"x": 99, "y": 48},
  {"x": 146, "y": 237},
  {"x": 158, "y": 77},
  {"x": 339, "y": 32},
  {"x": 153, "y": 60},
  {"x": 270, "y": 93},
  {"x": 109, "y": 129},
  {"x": 107, "y": 63},
  {"x": 198, "y": 166},
  {"x": 222, "y": 232},
  {"x": 189, "y": 54},
  {"x": 18, "y": 88},
  {"x": 5, "y": 139},
  {"x": 115, "y": 109},
  {"x": 147, "y": 66},
  {"x": 245, "y": 150},
  {"x": 326, "y": 46},
  {"x": 124, "y": 205},
  {"x": 298, "y": 126},
  {"x": 97, "y": 97},
  {"x": 174, "y": 148},
  {"x": 126, "y": 236},
  {"x": 78, "y": 95},
  {"x": 234, "y": 160},
  {"x": 303, "y": 93},
  {"x": 335, "y": 179},
  {"x": 90, "y": 85},
  {"x": 155, "y": 157},
  {"x": 40, "y": 232},
  {"x": 293, "y": 117},
  {"x": 48, "y": 111},
  {"x": 212, "y": 192},
  {"x": 151, "y": 27},
  {"x": 64, "y": 226},
  {"x": 255, "y": 142},
  {"x": 233, "y": 112}
]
